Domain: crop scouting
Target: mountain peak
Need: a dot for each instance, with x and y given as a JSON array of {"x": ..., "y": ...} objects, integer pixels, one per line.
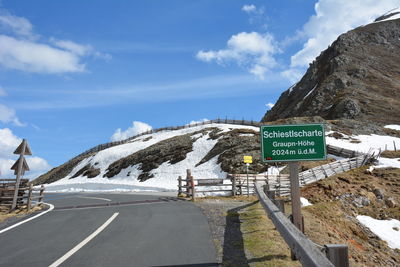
[{"x": 357, "y": 77}]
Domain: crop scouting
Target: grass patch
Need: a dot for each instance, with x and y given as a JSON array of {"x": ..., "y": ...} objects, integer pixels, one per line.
[
  {"x": 262, "y": 242},
  {"x": 390, "y": 154}
]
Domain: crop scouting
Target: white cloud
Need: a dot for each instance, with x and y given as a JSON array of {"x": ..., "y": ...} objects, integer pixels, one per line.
[
  {"x": 136, "y": 128},
  {"x": 197, "y": 122},
  {"x": 74, "y": 48},
  {"x": 270, "y": 105},
  {"x": 18, "y": 25},
  {"x": 20, "y": 49},
  {"x": 292, "y": 74},
  {"x": 8, "y": 143},
  {"x": 35, "y": 57},
  {"x": 8, "y": 115},
  {"x": 253, "y": 51},
  {"x": 249, "y": 8},
  {"x": 79, "y": 50},
  {"x": 332, "y": 18}
]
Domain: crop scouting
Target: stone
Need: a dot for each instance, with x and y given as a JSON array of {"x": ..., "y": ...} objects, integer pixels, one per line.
[
  {"x": 390, "y": 202},
  {"x": 378, "y": 193}
]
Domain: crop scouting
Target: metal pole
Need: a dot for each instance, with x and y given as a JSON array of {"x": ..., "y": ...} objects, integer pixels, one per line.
[{"x": 247, "y": 173}]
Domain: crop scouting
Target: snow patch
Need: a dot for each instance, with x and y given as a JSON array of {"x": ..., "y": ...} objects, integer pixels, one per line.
[
  {"x": 248, "y": 134},
  {"x": 393, "y": 127},
  {"x": 291, "y": 88},
  {"x": 388, "y": 163},
  {"x": 309, "y": 93},
  {"x": 165, "y": 176},
  {"x": 304, "y": 202},
  {"x": 366, "y": 142},
  {"x": 384, "y": 229}
]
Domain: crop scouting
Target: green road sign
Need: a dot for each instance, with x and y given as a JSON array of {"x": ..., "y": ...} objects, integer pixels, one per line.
[{"x": 292, "y": 142}]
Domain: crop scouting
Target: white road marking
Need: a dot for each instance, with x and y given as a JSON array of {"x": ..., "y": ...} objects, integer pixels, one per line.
[
  {"x": 84, "y": 242},
  {"x": 30, "y": 219},
  {"x": 100, "y": 198}
]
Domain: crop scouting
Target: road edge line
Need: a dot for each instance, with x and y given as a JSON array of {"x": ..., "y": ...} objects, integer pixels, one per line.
[
  {"x": 29, "y": 219},
  {"x": 84, "y": 242},
  {"x": 99, "y": 198}
]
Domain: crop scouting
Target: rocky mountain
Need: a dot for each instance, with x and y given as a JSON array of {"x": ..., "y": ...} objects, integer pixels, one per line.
[{"x": 357, "y": 77}]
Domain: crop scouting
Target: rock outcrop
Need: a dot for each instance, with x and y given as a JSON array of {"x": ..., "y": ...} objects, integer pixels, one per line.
[{"x": 357, "y": 77}]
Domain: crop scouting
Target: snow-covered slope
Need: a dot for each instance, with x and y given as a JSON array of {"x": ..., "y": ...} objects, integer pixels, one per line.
[
  {"x": 164, "y": 176},
  {"x": 153, "y": 162}
]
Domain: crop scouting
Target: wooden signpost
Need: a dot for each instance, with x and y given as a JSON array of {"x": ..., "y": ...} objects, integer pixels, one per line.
[
  {"x": 19, "y": 167},
  {"x": 293, "y": 143}
]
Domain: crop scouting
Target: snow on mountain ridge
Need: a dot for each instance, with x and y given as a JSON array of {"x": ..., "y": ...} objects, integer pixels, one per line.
[{"x": 165, "y": 175}]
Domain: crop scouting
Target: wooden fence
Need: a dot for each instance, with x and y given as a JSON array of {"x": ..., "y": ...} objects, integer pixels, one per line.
[
  {"x": 237, "y": 183},
  {"x": 281, "y": 183},
  {"x": 343, "y": 152},
  {"x": 7, "y": 189},
  {"x": 234, "y": 184},
  {"x": 25, "y": 193}
]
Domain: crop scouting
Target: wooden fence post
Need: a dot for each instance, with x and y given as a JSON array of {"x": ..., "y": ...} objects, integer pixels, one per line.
[
  {"x": 266, "y": 189},
  {"x": 193, "y": 187},
  {"x": 280, "y": 203},
  {"x": 41, "y": 193},
  {"x": 338, "y": 254},
  {"x": 188, "y": 174},
  {"x": 29, "y": 197},
  {"x": 233, "y": 185},
  {"x": 179, "y": 185},
  {"x": 271, "y": 194}
]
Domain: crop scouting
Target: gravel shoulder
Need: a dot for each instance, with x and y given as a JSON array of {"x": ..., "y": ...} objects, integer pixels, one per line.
[{"x": 242, "y": 233}]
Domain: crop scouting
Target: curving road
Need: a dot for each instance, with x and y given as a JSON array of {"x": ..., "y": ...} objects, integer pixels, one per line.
[{"x": 111, "y": 230}]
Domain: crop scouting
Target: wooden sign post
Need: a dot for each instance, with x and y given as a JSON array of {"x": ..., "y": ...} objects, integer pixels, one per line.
[
  {"x": 19, "y": 167},
  {"x": 295, "y": 195},
  {"x": 293, "y": 143}
]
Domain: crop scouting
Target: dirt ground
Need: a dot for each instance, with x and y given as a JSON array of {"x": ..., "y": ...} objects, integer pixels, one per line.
[
  {"x": 244, "y": 236},
  {"x": 339, "y": 199}
]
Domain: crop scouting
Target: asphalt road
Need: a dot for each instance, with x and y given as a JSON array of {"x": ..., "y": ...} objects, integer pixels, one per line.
[{"x": 111, "y": 230}]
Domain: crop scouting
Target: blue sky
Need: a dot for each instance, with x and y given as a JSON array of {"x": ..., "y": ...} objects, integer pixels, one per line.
[{"x": 74, "y": 72}]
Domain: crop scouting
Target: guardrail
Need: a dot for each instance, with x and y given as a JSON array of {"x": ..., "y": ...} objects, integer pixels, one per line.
[{"x": 303, "y": 248}]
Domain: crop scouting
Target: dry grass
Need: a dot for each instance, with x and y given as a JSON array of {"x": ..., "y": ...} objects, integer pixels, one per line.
[
  {"x": 20, "y": 212},
  {"x": 391, "y": 154},
  {"x": 262, "y": 242},
  {"x": 331, "y": 220}
]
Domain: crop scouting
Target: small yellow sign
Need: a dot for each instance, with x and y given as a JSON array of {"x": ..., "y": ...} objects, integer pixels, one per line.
[{"x": 248, "y": 159}]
